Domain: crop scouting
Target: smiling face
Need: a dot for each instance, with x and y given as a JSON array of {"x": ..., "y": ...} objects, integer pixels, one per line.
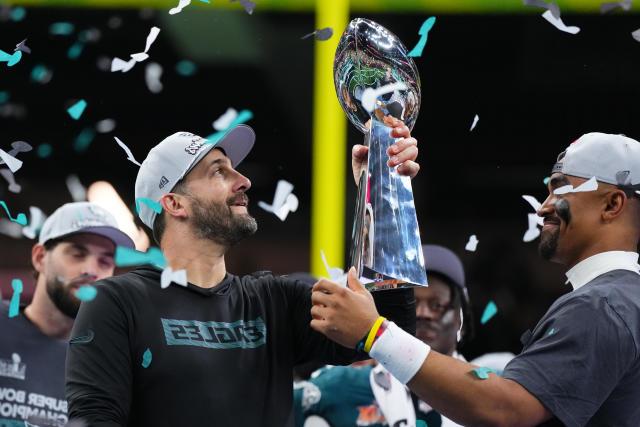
[{"x": 216, "y": 201}]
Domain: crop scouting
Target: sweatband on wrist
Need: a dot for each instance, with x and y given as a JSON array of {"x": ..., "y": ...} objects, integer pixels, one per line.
[{"x": 399, "y": 352}]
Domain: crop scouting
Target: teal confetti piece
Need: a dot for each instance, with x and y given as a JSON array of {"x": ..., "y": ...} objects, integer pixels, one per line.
[
  {"x": 17, "y": 14},
  {"x": 489, "y": 311},
  {"x": 125, "y": 257},
  {"x": 76, "y": 110},
  {"x": 243, "y": 117},
  {"x": 552, "y": 331},
  {"x": 186, "y": 68},
  {"x": 421, "y": 423},
  {"x": 20, "y": 219},
  {"x": 14, "y": 305},
  {"x": 483, "y": 373},
  {"x": 157, "y": 207},
  {"x": 205, "y": 1},
  {"x": 84, "y": 139},
  {"x": 546, "y": 180},
  {"x": 75, "y": 50},
  {"x": 61, "y": 28},
  {"x": 146, "y": 358},
  {"x": 4, "y": 96},
  {"x": 424, "y": 32},
  {"x": 40, "y": 74},
  {"x": 10, "y": 59},
  {"x": 86, "y": 293},
  {"x": 44, "y": 150}
]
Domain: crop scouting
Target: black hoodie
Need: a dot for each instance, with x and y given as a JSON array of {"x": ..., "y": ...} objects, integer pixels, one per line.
[{"x": 189, "y": 356}]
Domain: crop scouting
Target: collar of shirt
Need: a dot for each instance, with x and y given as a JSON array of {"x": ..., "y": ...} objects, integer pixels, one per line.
[{"x": 598, "y": 264}]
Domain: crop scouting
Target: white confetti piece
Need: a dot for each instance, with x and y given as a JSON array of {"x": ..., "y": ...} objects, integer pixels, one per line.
[
  {"x": 121, "y": 65},
  {"x": 636, "y": 35},
  {"x": 590, "y": 185},
  {"x": 106, "y": 125},
  {"x": 611, "y": 6},
  {"x": 472, "y": 244},
  {"x": 76, "y": 189},
  {"x": 475, "y": 122},
  {"x": 533, "y": 231},
  {"x": 335, "y": 274},
  {"x": 284, "y": 201},
  {"x": 181, "y": 5},
  {"x": 224, "y": 121},
  {"x": 13, "y": 163},
  {"x": 152, "y": 75},
  {"x": 169, "y": 276},
  {"x": 127, "y": 151},
  {"x": 369, "y": 95},
  {"x": 36, "y": 219},
  {"x": 557, "y": 22},
  {"x": 14, "y": 187}
]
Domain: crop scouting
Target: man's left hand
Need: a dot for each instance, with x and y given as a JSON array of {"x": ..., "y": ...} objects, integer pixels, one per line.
[{"x": 403, "y": 153}]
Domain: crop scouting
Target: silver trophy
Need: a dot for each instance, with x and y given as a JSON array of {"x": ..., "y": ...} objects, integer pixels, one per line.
[{"x": 375, "y": 78}]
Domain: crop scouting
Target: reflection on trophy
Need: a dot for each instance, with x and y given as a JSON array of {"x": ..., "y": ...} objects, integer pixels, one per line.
[{"x": 374, "y": 79}]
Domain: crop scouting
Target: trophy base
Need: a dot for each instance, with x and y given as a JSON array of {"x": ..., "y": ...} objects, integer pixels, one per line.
[{"x": 375, "y": 281}]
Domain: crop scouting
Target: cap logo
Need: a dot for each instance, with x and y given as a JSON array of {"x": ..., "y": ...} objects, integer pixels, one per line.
[
  {"x": 163, "y": 181},
  {"x": 195, "y": 145}
]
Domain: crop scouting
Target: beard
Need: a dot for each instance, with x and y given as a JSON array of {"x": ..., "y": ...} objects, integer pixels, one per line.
[
  {"x": 217, "y": 222},
  {"x": 549, "y": 243},
  {"x": 62, "y": 297}
]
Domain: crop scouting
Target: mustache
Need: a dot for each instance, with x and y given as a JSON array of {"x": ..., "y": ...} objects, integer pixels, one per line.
[
  {"x": 427, "y": 324},
  {"x": 241, "y": 198},
  {"x": 82, "y": 279}
]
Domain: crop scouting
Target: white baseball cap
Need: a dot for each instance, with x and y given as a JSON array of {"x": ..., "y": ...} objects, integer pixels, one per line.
[
  {"x": 83, "y": 217},
  {"x": 612, "y": 159},
  {"x": 173, "y": 158}
]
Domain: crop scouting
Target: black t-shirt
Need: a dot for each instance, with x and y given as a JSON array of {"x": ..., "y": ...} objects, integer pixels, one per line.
[
  {"x": 222, "y": 356},
  {"x": 31, "y": 374},
  {"x": 582, "y": 360}
]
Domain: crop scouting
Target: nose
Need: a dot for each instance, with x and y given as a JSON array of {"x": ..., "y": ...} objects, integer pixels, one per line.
[
  {"x": 242, "y": 183},
  {"x": 547, "y": 207},
  {"x": 423, "y": 311},
  {"x": 91, "y": 267}
]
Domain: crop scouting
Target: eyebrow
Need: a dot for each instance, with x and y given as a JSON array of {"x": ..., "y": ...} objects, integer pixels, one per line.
[
  {"x": 220, "y": 161},
  {"x": 82, "y": 248},
  {"x": 559, "y": 180}
]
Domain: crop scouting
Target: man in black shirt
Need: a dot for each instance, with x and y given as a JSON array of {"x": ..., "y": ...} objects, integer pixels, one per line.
[
  {"x": 581, "y": 364},
  {"x": 220, "y": 350}
]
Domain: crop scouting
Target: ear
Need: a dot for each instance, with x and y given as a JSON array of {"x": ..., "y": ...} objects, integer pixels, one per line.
[
  {"x": 38, "y": 253},
  {"x": 615, "y": 202},
  {"x": 174, "y": 205}
]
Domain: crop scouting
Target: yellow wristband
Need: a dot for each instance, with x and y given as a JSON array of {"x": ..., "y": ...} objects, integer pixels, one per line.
[{"x": 372, "y": 333}]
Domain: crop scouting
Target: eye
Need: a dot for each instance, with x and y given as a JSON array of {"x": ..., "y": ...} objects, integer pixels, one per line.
[{"x": 106, "y": 262}]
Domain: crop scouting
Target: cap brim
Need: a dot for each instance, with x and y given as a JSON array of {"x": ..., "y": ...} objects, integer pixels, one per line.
[
  {"x": 237, "y": 143},
  {"x": 119, "y": 238}
]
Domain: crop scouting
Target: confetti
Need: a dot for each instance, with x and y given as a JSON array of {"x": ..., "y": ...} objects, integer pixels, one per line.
[
  {"x": 12, "y": 59},
  {"x": 125, "y": 257},
  {"x": 248, "y": 5},
  {"x": 369, "y": 95},
  {"x": 22, "y": 47},
  {"x": 106, "y": 125},
  {"x": 611, "y": 6},
  {"x": 224, "y": 121},
  {"x": 75, "y": 50},
  {"x": 120, "y": 65},
  {"x": 322, "y": 34},
  {"x": 14, "y": 305},
  {"x": 76, "y": 189},
  {"x": 61, "y": 28},
  {"x": 483, "y": 373},
  {"x": 590, "y": 185},
  {"x": 13, "y": 163},
  {"x": 636, "y": 35},
  {"x": 20, "y": 219},
  {"x": 36, "y": 220},
  {"x": 533, "y": 231},
  {"x": 186, "y": 68},
  {"x": 472, "y": 244},
  {"x": 17, "y": 14},
  {"x": 242, "y": 117},
  {"x": 489, "y": 311},
  {"x": 555, "y": 10},
  {"x": 152, "y": 75},
  {"x": 14, "y": 187},
  {"x": 475, "y": 122},
  {"x": 155, "y": 206},
  {"x": 424, "y": 33},
  {"x": 146, "y": 358},
  {"x": 169, "y": 276},
  {"x": 4, "y": 96},
  {"x": 44, "y": 150},
  {"x": 546, "y": 180},
  {"x": 552, "y": 331},
  {"x": 557, "y": 22},
  {"x": 127, "y": 151},
  {"x": 336, "y": 274},
  {"x": 84, "y": 139},
  {"x": 18, "y": 147},
  {"x": 284, "y": 201},
  {"x": 86, "y": 293},
  {"x": 41, "y": 74},
  {"x": 535, "y": 204},
  {"x": 10, "y": 229},
  {"x": 181, "y": 5},
  {"x": 76, "y": 110}
]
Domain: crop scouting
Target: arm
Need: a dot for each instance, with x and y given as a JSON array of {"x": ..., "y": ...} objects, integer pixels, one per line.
[
  {"x": 98, "y": 367},
  {"x": 443, "y": 382}
]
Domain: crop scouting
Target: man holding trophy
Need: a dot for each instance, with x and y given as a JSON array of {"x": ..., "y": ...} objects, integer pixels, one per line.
[{"x": 220, "y": 350}]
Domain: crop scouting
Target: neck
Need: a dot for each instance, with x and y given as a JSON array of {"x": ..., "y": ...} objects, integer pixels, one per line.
[
  {"x": 203, "y": 259},
  {"x": 45, "y": 315},
  {"x": 603, "y": 246}
]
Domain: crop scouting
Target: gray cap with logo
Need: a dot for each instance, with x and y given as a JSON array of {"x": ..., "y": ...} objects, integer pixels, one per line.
[
  {"x": 83, "y": 217},
  {"x": 612, "y": 159},
  {"x": 170, "y": 161}
]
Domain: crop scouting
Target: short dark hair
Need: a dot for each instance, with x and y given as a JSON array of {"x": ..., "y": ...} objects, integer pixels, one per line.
[
  {"x": 160, "y": 223},
  {"x": 49, "y": 245},
  {"x": 459, "y": 301}
]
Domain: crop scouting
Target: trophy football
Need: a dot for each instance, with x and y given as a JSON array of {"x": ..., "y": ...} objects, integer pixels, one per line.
[{"x": 375, "y": 78}]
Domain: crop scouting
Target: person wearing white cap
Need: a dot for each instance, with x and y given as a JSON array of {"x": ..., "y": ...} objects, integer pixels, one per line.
[
  {"x": 75, "y": 247},
  {"x": 581, "y": 363},
  {"x": 220, "y": 350}
]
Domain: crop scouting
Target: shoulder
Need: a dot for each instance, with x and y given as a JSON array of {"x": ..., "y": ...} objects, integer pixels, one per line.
[
  {"x": 129, "y": 286},
  {"x": 273, "y": 282}
]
